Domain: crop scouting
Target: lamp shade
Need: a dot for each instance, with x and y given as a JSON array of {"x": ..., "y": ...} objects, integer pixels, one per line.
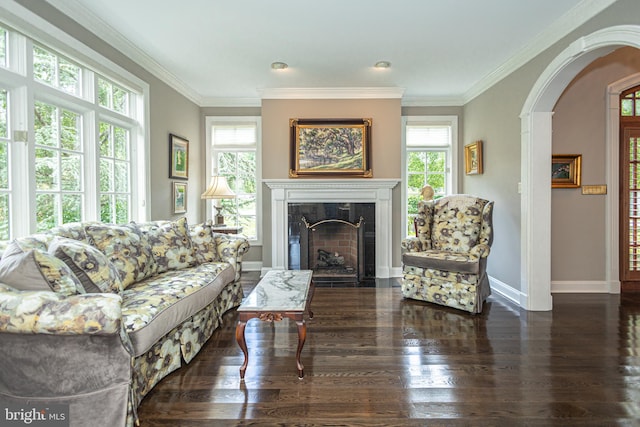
[{"x": 218, "y": 189}]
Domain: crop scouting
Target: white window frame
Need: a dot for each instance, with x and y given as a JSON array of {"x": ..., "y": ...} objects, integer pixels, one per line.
[
  {"x": 451, "y": 175},
  {"x": 25, "y": 29},
  {"x": 211, "y": 121}
]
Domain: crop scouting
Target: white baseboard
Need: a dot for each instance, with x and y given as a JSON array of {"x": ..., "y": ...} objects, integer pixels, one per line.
[
  {"x": 251, "y": 265},
  {"x": 581, "y": 287},
  {"x": 510, "y": 293},
  {"x": 396, "y": 272}
]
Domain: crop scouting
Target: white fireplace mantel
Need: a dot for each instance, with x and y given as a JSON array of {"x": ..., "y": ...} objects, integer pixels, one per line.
[{"x": 378, "y": 191}]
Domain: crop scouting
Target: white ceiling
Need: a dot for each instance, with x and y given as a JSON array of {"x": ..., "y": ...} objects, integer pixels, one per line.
[{"x": 219, "y": 52}]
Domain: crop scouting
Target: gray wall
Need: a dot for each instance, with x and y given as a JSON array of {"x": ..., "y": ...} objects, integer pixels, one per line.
[
  {"x": 493, "y": 117},
  {"x": 579, "y": 127}
]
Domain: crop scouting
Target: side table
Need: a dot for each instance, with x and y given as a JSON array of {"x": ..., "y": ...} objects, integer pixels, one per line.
[{"x": 226, "y": 229}]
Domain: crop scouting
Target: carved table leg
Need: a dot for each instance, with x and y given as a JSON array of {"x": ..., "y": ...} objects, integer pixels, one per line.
[
  {"x": 243, "y": 345},
  {"x": 302, "y": 336},
  {"x": 312, "y": 289}
]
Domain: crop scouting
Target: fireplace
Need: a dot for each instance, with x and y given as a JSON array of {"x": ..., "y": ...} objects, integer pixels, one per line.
[
  {"x": 374, "y": 191},
  {"x": 335, "y": 240}
]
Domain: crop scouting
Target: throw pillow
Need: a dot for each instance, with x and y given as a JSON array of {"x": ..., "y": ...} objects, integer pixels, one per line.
[
  {"x": 94, "y": 270},
  {"x": 37, "y": 270},
  {"x": 126, "y": 248},
  {"x": 170, "y": 244},
  {"x": 203, "y": 243}
]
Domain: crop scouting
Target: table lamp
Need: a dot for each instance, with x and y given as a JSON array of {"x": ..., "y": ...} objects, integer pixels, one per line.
[{"x": 218, "y": 189}]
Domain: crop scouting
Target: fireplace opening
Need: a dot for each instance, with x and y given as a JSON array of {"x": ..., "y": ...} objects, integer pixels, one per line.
[{"x": 335, "y": 240}]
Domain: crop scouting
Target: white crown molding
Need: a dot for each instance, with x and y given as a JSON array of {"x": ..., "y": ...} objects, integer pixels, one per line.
[
  {"x": 230, "y": 102},
  {"x": 84, "y": 17},
  {"x": 332, "y": 93},
  {"x": 433, "y": 101},
  {"x": 568, "y": 22}
]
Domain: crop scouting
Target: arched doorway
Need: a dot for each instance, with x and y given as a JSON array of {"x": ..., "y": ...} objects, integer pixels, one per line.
[{"x": 536, "y": 156}]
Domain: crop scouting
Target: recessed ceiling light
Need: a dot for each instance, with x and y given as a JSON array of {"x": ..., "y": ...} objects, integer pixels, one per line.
[
  {"x": 382, "y": 64},
  {"x": 279, "y": 65}
]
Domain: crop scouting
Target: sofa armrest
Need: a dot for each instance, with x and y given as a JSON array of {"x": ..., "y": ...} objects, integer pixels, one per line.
[
  {"x": 412, "y": 244},
  {"x": 481, "y": 251},
  {"x": 230, "y": 248},
  {"x": 45, "y": 312}
]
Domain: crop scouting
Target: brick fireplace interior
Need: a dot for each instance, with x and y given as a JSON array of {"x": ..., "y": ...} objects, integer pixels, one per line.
[{"x": 335, "y": 240}]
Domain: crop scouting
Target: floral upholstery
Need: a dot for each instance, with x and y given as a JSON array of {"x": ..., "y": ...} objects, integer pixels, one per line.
[
  {"x": 446, "y": 262},
  {"x": 172, "y": 303},
  {"x": 92, "y": 267},
  {"x": 126, "y": 248},
  {"x": 170, "y": 244}
]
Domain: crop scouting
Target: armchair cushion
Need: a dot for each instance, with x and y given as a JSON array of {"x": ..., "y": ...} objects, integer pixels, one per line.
[{"x": 443, "y": 260}]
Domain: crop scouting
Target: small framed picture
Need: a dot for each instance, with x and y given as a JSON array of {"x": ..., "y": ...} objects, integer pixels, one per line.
[
  {"x": 473, "y": 158},
  {"x": 566, "y": 170},
  {"x": 178, "y": 157},
  {"x": 179, "y": 197}
]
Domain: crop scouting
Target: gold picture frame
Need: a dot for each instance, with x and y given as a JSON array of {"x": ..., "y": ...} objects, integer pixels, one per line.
[
  {"x": 566, "y": 170},
  {"x": 473, "y": 158},
  {"x": 178, "y": 157},
  {"x": 330, "y": 147},
  {"x": 179, "y": 197}
]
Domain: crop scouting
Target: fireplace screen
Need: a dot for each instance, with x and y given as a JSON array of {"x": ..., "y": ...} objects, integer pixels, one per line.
[{"x": 335, "y": 240}]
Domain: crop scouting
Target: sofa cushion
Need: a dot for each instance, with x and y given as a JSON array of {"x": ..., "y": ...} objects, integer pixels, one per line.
[
  {"x": 204, "y": 245},
  {"x": 94, "y": 270},
  {"x": 72, "y": 230},
  {"x": 37, "y": 270},
  {"x": 126, "y": 248},
  {"x": 151, "y": 308},
  {"x": 443, "y": 260},
  {"x": 170, "y": 244}
]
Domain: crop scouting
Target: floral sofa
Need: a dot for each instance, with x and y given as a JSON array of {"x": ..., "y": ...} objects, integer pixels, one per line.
[
  {"x": 93, "y": 315},
  {"x": 446, "y": 262}
]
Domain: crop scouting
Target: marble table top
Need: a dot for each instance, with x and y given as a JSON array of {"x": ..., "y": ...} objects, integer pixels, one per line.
[{"x": 279, "y": 290}]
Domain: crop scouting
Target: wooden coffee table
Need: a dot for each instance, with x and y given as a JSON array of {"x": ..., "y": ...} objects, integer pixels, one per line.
[{"x": 279, "y": 294}]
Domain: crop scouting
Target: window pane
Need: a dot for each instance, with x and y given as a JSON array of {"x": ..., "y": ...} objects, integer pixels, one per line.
[
  {"x": 120, "y": 100},
  {"x": 5, "y": 217},
  {"x": 122, "y": 209},
  {"x": 121, "y": 177},
  {"x": 70, "y": 131},
  {"x": 3, "y": 47},
  {"x": 71, "y": 176},
  {"x": 4, "y": 165},
  {"x": 121, "y": 142},
  {"x": 4, "y": 118},
  {"x": 44, "y": 66},
  {"x": 104, "y": 93},
  {"x": 47, "y": 173},
  {"x": 416, "y": 161},
  {"x": 436, "y": 161},
  {"x": 106, "y": 175},
  {"x": 415, "y": 182},
  {"x": 626, "y": 106},
  {"x": 46, "y": 129},
  {"x": 71, "y": 208},
  {"x": 46, "y": 211},
  {"x": 106, "y": 211},
  {"x": 69, "y": 77},
  {"x": 106, "y": 146}
]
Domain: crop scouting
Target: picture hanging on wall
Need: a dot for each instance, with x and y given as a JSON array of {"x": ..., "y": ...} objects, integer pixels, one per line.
[
  {"x": 337, "y": 147},
  {"x": 473, "y": 158},
  {"x": 179, "y": 197},
  {"x": 566, "y": 170},
  {"x": 178, "y": 157}
]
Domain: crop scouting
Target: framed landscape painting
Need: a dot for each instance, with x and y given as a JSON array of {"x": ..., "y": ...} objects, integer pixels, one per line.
[
  {"x": 566, "y": 170},
  {"x": 178, "y": 157},
  {"x": 473, "y": 158},
  {"x": 337, "y": 147},
  {"x": 179, "y": 197}
]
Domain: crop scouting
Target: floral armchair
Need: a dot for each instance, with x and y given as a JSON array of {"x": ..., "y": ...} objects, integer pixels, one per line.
[{"x": 446, "y": 262}]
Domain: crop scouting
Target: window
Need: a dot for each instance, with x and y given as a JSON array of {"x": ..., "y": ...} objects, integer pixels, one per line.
[
  {"x": 234, "y": 152},
  {"x": 428, "y": 159},
  {"x": 70, "y": 137}
]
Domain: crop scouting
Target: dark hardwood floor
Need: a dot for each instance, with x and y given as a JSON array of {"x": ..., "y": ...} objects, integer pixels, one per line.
[{"x": 374, "y": 359}]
